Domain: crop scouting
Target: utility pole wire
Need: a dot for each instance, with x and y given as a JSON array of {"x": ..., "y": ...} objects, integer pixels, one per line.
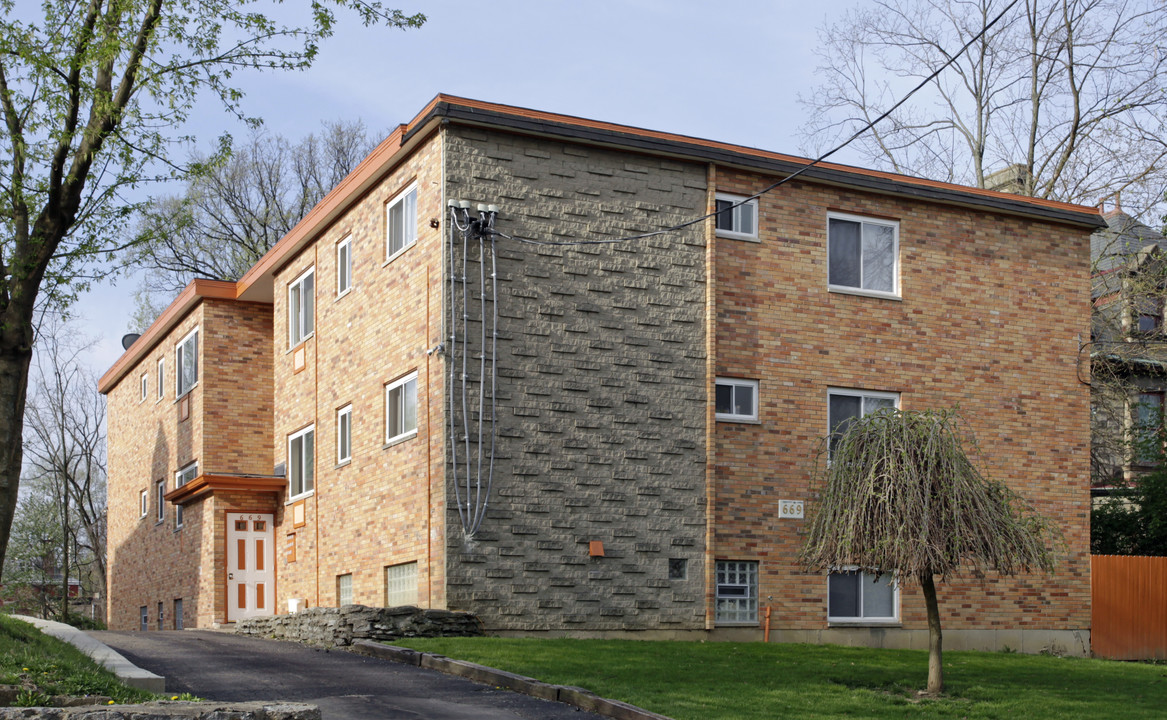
[{"x": 688, "y": 223}]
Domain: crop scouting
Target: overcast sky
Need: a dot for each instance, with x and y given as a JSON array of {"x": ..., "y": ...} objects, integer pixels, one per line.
[{"x": 730, "y": 70}]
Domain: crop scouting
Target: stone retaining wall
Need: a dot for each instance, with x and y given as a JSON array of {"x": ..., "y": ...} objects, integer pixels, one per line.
[
  {"x": 166, "y": 710},
  {"x": 340, "y": 626}
]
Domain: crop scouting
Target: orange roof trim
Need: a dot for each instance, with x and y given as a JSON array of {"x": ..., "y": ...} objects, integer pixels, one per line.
[{"x": 256, "y": 283}]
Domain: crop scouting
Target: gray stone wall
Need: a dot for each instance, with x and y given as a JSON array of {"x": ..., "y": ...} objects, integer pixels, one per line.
[
  {"x": 340, "y": 626},
  {"x": 601, "y": 394},
  {"x": 166, "y": 710}
]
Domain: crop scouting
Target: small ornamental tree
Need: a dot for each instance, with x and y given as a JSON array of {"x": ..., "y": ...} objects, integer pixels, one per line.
[{"x": 900, "y": 495}]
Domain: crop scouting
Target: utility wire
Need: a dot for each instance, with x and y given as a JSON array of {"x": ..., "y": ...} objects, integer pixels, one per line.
[{"x": 788, "y": 178}]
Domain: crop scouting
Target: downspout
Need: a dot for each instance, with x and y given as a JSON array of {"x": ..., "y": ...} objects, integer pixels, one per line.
[
  {"x": 316, "y": 405},
  {"x": 710, "y": 392}
]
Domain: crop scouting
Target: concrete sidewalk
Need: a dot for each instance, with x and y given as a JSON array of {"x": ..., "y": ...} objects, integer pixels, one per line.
[{"x": 126, "y": 671}]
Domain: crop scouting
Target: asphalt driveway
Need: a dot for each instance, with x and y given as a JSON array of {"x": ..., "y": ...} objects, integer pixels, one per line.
[{"x": 225, "y": 667}]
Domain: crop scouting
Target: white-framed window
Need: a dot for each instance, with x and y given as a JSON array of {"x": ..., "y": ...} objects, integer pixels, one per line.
[
  {"x": 401, "y": 584},
  {"x": 144, "y": 502},
  {"x": 161, "y": 377},
  {"x": 401, "y": 408},
  {"x": 737, "y": 591},
  {"x": 145, "y": 384},
  {"x": 159, "y": 492},
  {"x": 301, "y": 461},
  {"x": 400, "y": 222},
  {"x": 186, "y": 364},
  {"x": 736, "y": 400},
  {"x": 854, "y": 596},
  {"x": 344, "y": 266},
  {"x": 863, "y": 255},
  {"x": 344, "y": 434},
  {"x": 182, "y": 477},
  {"x": 344, "y": 589},
  {"x": 301, "y": 307},
  {"x": 846, "y": 406},
  {"x": 737, "y": 217}
]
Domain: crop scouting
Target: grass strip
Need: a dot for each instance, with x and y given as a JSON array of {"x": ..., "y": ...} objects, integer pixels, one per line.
[
  {"x": 44, "y": 666},
  {"x": 747, "y": 681}
]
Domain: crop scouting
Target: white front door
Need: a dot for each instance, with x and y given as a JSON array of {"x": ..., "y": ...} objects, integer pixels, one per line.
[{"x": 250, "y": 565}]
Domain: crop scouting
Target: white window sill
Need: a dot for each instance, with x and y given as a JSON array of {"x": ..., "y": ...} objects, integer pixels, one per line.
[
  {"x": 303, "y": 341},
  {"x": 731, "y": 235},
  {"x": 398, "y": 439},
  {"x": 297, "y": 498},
  {"x": 188, "y": 392},
  {"x": 736, "y": 623},
  {"x": 399, "y": 253},
  {"x": 861, "y": 622},
  {"x": 737, "y": 419},
  {"x": 342, "y": 463},
  {"x": 344, "y": 294},
  {"x": 845, "y": 290}
]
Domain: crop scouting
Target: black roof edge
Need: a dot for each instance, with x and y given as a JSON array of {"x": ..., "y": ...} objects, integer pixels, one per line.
[{"x": 741, "y": 159}]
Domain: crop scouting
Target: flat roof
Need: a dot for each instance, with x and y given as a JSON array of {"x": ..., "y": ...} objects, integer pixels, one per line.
[{"x": 257, "y": 284}]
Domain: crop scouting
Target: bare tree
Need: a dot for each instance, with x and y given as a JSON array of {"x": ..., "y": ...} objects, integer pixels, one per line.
[
  {"x": 900, "y": 495},
  {"x": 1064, "y": 100},
  {"x": 65, "y": 449},
  {"x": 92, "y": 97},
  {"x": 236, "y": 207}
]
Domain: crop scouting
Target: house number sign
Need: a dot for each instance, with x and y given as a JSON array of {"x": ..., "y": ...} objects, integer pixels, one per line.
[{"x": 790, "y": 508}]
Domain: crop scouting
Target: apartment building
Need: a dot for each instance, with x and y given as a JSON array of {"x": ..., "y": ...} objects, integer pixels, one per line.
[{"x": 575, "y": 410}]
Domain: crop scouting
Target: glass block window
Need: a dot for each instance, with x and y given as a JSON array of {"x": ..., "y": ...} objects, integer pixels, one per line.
[
  {"x": 401, "y": 585},
  {"x": 344, "y": 589},
  {"x": 737, "y": 591}
]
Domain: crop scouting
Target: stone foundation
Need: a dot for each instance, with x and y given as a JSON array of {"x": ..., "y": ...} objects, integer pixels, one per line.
[
  {"x": 340, "y": 626},
  {"x": 165, "y": 710}
]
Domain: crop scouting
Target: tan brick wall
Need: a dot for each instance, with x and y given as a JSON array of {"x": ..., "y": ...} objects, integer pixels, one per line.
[
  {"x": 228, "y": 431},
  {"x": 237, "y": 396},
  {"x": 991, "y": 313},
  {"x": 371, "y": 512},
  {"x": 150, "y": 561}
]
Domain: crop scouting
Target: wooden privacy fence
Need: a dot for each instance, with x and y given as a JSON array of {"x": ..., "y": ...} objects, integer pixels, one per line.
[{"x": 1129, "y": 607}]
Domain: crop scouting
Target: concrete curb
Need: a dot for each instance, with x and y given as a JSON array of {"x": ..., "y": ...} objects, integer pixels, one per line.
[
  {"x": 576, "y": 697},
  {"x": 126, "y": 671}
]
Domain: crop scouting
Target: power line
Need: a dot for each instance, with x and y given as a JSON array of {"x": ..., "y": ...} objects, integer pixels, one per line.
[{"x": 788, "y": 178}]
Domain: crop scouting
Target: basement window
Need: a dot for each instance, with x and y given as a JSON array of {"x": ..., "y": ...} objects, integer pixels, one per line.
[
  {"x": 401, "y": 584},
  {"x": 737, "y": 592},
  {"x": 854, "y": 596}
]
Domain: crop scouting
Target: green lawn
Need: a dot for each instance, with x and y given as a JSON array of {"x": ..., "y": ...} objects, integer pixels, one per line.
[
  {"x": 698, "y": 681},
  {"x": 46, "y": 666}
]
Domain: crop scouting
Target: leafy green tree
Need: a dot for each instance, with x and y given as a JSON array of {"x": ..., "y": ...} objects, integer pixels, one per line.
[
  {"x": 900, "y": 495},
  {"x": 91, "y": 94},
  {"x": 1132, "y": 519}
]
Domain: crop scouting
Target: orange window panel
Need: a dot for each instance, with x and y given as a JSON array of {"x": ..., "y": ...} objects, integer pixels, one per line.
[
  {"x": 242, "y": 552},
  {"x": 259, "y": 554}
]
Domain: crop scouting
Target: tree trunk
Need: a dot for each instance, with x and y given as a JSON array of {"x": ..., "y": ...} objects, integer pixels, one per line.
[
  {"x": 14, "y": 362},
  {"x": 935, "y": 662}
]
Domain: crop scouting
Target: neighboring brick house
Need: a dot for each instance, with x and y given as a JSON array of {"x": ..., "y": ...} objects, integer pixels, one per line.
[
  {"x": 1128, "y": 348},
  {"x": 627, "y": 427}
]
